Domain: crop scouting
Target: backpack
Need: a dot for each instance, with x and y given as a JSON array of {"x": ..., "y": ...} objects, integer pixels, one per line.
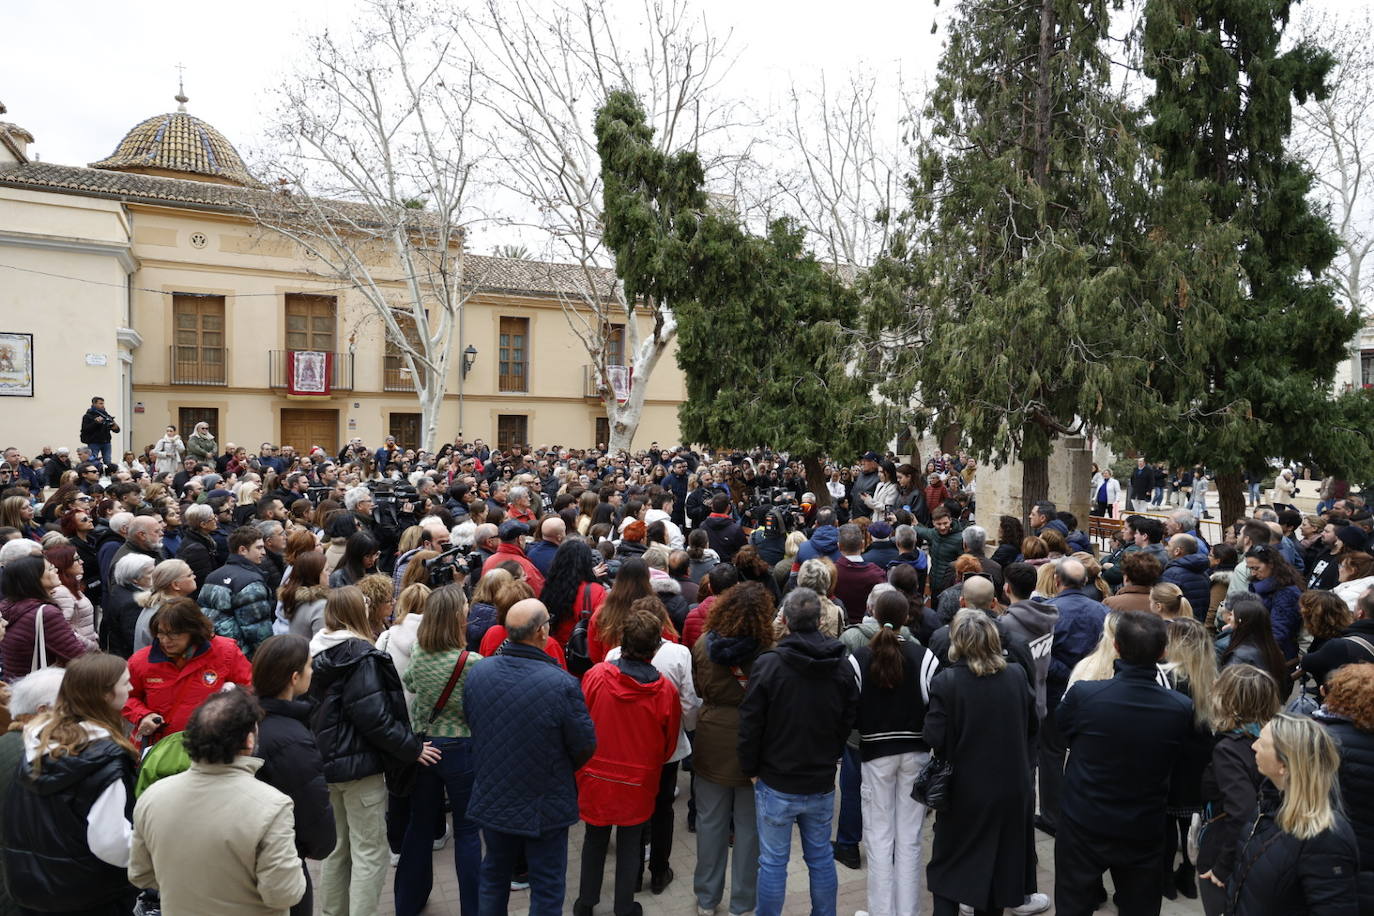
[{"x": 578, "y": 652}]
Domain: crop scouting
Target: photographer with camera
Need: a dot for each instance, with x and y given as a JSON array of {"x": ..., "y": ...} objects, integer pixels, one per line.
[{"x": 96, "y": 427}]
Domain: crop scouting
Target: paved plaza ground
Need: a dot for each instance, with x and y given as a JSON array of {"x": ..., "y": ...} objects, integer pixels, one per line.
[{"x": 678, "y": 899}]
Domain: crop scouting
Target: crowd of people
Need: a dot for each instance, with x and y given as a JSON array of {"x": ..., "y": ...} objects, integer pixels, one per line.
[{"x": 364, "y": 657}]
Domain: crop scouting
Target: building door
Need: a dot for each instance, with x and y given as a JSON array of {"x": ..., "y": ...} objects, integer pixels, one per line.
[
  {"x": 309, "y": 322},
  {"x": 406, "y": 428},
  {"x": 302, "y": 429},
  {"x": 188, "y": 417},
  {"x": 512, "y": 431}
]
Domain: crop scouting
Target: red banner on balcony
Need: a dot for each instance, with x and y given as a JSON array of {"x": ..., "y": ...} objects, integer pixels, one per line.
[{"x": 308, "y": 372}]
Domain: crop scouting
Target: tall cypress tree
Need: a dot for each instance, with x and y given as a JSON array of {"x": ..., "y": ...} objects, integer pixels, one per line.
[
  {"x": 1221, "y": 113},
  {"x": 1014, "y": 295},
  {"x": 759, "y": 318}
]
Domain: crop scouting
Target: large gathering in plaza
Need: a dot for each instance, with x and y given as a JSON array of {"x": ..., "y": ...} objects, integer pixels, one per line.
[{"x": 947, "y": 497}]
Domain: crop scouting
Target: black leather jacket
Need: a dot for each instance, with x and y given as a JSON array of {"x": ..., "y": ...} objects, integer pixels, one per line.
[{"x": 361, "y": 723}]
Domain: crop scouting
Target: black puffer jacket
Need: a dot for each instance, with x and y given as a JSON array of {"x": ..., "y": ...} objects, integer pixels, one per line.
[
  {"x": 48, "y": 863},
  {"x": 1357, "y": 792},
  {"x": 360, "y": 724},
  {"x": 199, "y": 552},
  {"x": 1230, "y": 785},
  {"x": 292, "y": 764},
  {"x": 119, "y": 615},
  {"x": 1278, "y": 874}
]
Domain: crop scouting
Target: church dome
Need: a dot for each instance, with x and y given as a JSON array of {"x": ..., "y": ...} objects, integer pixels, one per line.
[{"x": 178, "y": 145}]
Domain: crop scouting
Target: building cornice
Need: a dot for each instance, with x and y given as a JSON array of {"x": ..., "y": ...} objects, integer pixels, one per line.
[{"x": 121, "y": 252}]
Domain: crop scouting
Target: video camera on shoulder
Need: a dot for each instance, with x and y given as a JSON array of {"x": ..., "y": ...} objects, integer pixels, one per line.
[{"x": 449, "y": 565}]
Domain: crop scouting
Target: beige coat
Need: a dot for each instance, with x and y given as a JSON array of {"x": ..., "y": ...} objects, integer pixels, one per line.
[{"x": 217, "y": 842}]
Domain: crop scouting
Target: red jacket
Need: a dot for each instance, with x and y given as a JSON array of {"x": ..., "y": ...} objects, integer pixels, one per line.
[
  {"x": 512, "y": 551},
  {"x": 497, "y": 634},
  {"x": 636, "y": 733},
  {"x": 695, "y": 624},
  {"x": 158, "y": 685},
  {"x": 592, "y": 593}
]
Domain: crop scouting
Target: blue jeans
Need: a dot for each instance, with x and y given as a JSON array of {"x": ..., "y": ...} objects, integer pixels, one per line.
[
  {"x": 812, "y": 814},
  {"x": 1158, "y": 498},
  {"x": 415, "y": 871},
  {"x": 102, "y": 450},
  {"x": 547, "y": 855},
  {"x": 851, "y": 828}
]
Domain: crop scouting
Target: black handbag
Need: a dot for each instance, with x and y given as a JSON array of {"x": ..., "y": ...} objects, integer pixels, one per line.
[
  {"x": 578, "y": 652},
  {"x": 400, "y": 780},
  {"x": 932, "y": 784}
]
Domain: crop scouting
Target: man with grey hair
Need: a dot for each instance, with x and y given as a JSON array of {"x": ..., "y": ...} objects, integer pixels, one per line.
[
  {"x": 1076, "y": 632},
  {"x": 112, "y": 540},
  {"x": 144, "y": 536},
  {"x": 798, "y": 710},
  {"x": 485, "y": 540},
  {"x": 1183, "y": 521},
  {"x": 531, "y": 733},
  {"x": 976, "y": 546},
  {"x": 273, "y": 565}
]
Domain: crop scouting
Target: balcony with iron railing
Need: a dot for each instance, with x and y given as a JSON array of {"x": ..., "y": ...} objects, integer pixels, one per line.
[
  {"x": 395, "y": 375},
  {"x": 341, "y": 372},
  {"x": 197, "y": 365}
]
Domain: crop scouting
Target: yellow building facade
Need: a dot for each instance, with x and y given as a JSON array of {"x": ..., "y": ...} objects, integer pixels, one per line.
[{"x": 142, "y": 279}]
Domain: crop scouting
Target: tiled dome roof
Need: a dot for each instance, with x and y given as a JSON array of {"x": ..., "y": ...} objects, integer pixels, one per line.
[{"x": 178, "y": 142}]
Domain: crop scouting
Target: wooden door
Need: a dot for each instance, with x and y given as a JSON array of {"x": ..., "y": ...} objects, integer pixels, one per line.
[
  {"x": 406, "y": 428},
  {"x": 301, "y": 429},
  {"x": 512, "y": 431}
]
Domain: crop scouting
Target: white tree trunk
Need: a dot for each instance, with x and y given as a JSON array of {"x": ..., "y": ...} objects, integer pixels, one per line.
[{"x": 431, "y": 402}]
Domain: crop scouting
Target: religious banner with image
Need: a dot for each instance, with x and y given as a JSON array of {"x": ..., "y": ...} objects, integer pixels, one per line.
[
  {"x": 622, "y": 377},
  {"x": 308, "y": 372},
  {"x": 16, "y": 365}
]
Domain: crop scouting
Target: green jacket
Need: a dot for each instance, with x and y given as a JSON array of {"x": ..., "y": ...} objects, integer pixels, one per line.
[
  {"x": 167, "y": 758},
  {"x": 944, "y": 550}
]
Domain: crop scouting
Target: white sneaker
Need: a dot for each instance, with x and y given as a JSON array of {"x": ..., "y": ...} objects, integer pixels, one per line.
[
  {"x": 395, "y": 858},
  {"x": 861, "y": 913},
  {"x": 706, "y": 911},
  {"x": 1035, "y": 903},
  {"x": 448, "y": 834},
  {"x": 965, "y": 910}
]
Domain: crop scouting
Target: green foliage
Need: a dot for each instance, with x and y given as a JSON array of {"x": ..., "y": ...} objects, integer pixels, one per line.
[
  {"x": 759, "y": 319},
  {"x": 1270, "y": 329},
  {"x": 1021, "y": 290}
]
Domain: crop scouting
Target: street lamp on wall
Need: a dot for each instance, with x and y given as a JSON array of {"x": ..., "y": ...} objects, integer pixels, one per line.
[{"x": 469, "y": 357}]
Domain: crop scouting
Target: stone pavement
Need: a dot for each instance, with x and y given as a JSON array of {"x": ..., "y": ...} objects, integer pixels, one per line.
[{"x": 678, "y": 899}]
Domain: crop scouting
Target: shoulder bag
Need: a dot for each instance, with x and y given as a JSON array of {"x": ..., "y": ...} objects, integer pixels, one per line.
[
  {"x": 932, "y": 786},
  {"x": 401, "y": 780},
  {"x": 40, "y": 642},
  {"x": 578, "y": 651}
]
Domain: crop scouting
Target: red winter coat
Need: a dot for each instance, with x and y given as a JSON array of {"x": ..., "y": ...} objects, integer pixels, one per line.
[
  {"x": 636, "y": 733},
  {"x": 695, "y": 624},
  {"x": 158, "y": 685},
  {"x": 512, "y": 551}
]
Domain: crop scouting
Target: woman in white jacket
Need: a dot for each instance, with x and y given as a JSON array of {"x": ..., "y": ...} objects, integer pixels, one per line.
[
  {"x": 885, "y": 493},
  {"x": 398, "y": 640},
  {"x": 1106, "y": 493},
  {"x": 169, "y": 450},
  {"x": 673, "y": 661}
]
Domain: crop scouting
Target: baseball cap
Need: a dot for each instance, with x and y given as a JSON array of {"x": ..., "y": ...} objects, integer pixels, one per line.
[
  {"x": 869, "y": 455},
  {"x": 511, "y": 529}
]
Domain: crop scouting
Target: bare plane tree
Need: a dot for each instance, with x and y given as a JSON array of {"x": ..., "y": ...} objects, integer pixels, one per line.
[
  {"x": 1337, "y": 137},
  {"x": 376, "y": 159},
  {"x": 545, "y": 69}
]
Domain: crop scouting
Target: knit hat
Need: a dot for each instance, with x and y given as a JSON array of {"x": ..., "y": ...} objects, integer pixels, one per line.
[
  {"x": 634, "y": 531},
  {"x": 1353, "y": 538}
]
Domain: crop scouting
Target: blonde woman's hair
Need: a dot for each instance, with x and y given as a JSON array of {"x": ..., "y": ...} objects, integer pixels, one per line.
[
  {"x": 1098, "y": 665},
  {"x": 347, "y": 609},
  {"x": 1311, "y": 758},
  {"x": 1191, "y": 653},
  {"x": 164, "y": 574},
  {"x": 1170, "y": 599},
  {"x": 973, "y": 639},
  {"x": 489, "y": 585},
  {"x": 445, "y": 621},
  {"x": 793, "y": 544},
  {"x": 1047, "y": 580},
  {"x": 411, "y": 601},
  {"x": 1093, "y": 569},
  {"x": 1243, "y": 695}
]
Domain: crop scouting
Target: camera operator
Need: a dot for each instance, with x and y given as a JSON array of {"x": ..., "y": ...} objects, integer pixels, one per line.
[
  {"x": 96, "y": 427},
  {"x": 385, "y": 515}
]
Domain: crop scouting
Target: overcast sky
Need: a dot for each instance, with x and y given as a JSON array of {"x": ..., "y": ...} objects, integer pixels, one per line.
[{"x": 78, "y": 74}]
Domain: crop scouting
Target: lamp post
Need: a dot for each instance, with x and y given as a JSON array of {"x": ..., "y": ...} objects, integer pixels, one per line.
[{"x": 469, "y": 357}]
